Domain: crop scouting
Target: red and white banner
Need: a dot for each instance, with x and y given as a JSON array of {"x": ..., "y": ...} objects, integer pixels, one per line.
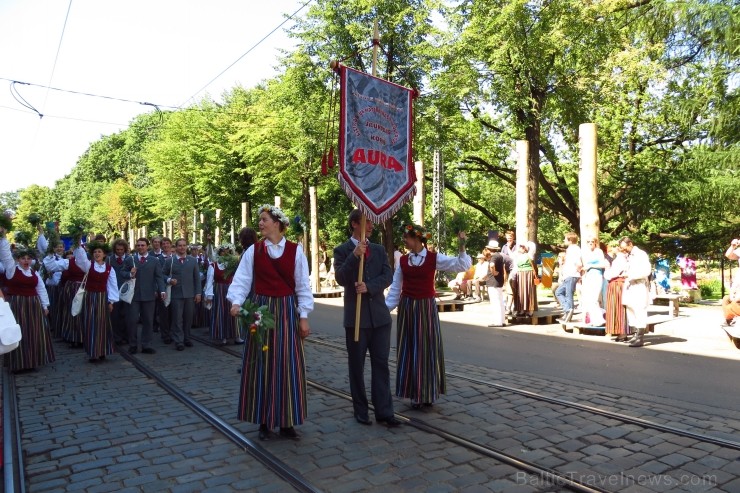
[{"x": 375, "y": 130}]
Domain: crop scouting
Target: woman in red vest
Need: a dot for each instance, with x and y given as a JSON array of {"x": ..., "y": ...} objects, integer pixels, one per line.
[
  {"x": 420, "y": 375},
  {"x": 67, "y": 327},
  {"x": 224, "y": 326},
  {"x": 273, "y": 377},
  {"x": 101, "y": 291},
  {"x": 29, "y": 302}
]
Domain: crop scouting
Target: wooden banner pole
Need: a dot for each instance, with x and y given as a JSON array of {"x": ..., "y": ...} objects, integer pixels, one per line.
[{"x": 363, "y": 219}]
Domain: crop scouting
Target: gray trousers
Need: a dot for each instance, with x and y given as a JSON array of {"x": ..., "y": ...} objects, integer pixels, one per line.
[
  {"x": 377, "y": 342},
  {"x": 181, "y": 318},
  {"x": 143, "y": 310}
]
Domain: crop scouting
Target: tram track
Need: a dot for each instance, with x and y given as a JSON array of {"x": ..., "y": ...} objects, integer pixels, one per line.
[
  {"x": 13, "y": 467},
  {"x": 702, "y": 437},
  {"x": 547, "y": 475}
]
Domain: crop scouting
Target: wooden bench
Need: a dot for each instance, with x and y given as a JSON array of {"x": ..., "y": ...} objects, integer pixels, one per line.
[
  {"x": 673, "y": 302},
  {"x": 733, "y": 332}
]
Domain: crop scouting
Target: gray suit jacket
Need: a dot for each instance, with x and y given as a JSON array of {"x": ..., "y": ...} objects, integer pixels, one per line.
[
  {"x": 123, "y": 271},
  {"x": 187, "y": 275},
  {"x": 377, "y": 276},
  {"x": 149, "y": 280}
]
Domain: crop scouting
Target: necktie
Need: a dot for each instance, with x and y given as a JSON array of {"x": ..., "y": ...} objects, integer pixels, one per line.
[
  {"x": 367, "y": 251},
  {"x": 182, "y": 260},
  {"x": 56, "y": 257},
  {"x": 120, "y": 260},
  {"x": 142, "y": 259}
]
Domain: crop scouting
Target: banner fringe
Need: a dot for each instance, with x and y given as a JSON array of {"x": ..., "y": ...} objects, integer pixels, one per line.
[{"x": 369, "y": 213}]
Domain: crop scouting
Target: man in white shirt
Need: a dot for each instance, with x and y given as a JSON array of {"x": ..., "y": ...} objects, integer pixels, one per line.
[
  {"x": 570, "y": 273},
  {"x": 636, "y": 297}
]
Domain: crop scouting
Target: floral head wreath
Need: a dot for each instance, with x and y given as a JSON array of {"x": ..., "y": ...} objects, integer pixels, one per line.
[
  {"x": 23, "y": 251},
  {"x": 275, "y": 212},
  {"x": 98, "y": 245},
  {"x": 226, "y": 247},
  {"x": 418, "y": 231}
]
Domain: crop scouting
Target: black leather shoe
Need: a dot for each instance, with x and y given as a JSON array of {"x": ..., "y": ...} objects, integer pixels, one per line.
[
  {"x": 362, "y": 420},
  {"x": 264, "y": 434},
  {"x": 189, "y": 343},
  {"x": 132, "y": 350},
  {"x": 289, "y": 433},
  {"x": 390, "y": 421},
  {"x": 148, "y": 350},
  {"x": 180, "y": 347}
]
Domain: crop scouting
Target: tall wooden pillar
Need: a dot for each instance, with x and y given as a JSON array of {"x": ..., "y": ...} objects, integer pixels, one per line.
[
  {"x": 315, "y": 274},
  {"x": 523, "y": 205},
  {"x": 587, "y": 190}
]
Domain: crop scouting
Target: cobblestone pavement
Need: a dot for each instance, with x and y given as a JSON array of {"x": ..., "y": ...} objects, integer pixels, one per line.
[{"x": 106, "y": 427}]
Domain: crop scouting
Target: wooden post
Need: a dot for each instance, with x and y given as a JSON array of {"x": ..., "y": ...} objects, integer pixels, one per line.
[
  {"x": 195, "y": 224},
  {"x": 231, "y": 235},
  {"x": 278, "y": 202},
  {"x": 143, "y": 231},
  {"x": 420, "y": 196},
  {"x": 200, "y": 231},
  {"x": 172, "y": 229},
  {"x": 587, "y": 190},
  {"x": 244, "y": 215},
  {"x": 217, "y": 237},
  {"x": 164, "y": 228},
  {"x": 315, "y": 275},
  {"x": 522, "y": 192}
]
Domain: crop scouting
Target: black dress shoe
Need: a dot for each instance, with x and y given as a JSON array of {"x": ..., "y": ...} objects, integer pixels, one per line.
[
  {"x": 289, "y": 433},
  {"x": 189, "y": 343},
  {"x": 264, "y": 433},
  {"x": 180, "y": 347},
  {"x": 362, "y": 420},
  {"x": 390, "y": 421},
  {"x": 148, "y": 350},
  {"x": 132, "y": 350}
]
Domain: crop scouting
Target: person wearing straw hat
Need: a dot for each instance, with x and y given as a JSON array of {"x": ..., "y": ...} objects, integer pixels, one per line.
[{"x": 495, "y": 282}]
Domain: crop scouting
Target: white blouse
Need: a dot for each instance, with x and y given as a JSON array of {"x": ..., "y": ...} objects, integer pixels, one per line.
[
  {"x": 112, "y": 283},
  {"x": 242, "y": 283},
  {"x": 460, "y": 263},
  {"x": 6, "y": 257}
]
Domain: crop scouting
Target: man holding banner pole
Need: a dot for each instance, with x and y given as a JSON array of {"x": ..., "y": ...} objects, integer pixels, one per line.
[{"x": 370, "y": 318}]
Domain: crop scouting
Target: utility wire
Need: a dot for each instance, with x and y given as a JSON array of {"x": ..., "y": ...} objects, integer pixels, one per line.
[
  {"x": 56, "y": 57},
  {"x": 246, "y": 53}
]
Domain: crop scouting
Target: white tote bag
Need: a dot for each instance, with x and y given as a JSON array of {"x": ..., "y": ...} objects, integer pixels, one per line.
[
  {"x": 168, "y": 288},
  {"x": 126, "y": 291},
  {"x": 79, "y": 298},
  {"x": 10, "y": 331}
]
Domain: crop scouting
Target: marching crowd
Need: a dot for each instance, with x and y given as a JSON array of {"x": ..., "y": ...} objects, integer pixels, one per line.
[{"x": 98, "y": 300}]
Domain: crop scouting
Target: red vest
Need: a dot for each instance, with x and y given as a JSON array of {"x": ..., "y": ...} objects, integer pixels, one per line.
[
  {"x": 274, "y": 277},
  {"x": 218, "y": 275},
  {"x": 97, "y": 282},
  {"x": 73, "y": 274},
  {"x": 418, "y": 282},
  {"x": 21, "y": 285}
]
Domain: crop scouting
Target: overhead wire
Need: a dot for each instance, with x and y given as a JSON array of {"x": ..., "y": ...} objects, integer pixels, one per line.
[
  {"x": 56, "y": 57},
  {"x": 246, "y": 53}
]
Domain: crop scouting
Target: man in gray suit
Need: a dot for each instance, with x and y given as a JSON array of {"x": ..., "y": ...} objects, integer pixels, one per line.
[
  {"x": 184, "y": 277},
  {"x": 375, "y": 320},
  {"x": 149, "y": 287}
]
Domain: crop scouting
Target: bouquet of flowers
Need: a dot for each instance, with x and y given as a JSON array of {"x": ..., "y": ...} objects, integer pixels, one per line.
[
  {"x": 34, "y": 220},
  {"x": 230, "y": 263},
  {"x": 258, "y": 321},
  {"x": 77, "y": 231},
  {"x": 22, "y": 238},
  {"x": 6, "y": 222},
  {"x": 297, "y": 227}
]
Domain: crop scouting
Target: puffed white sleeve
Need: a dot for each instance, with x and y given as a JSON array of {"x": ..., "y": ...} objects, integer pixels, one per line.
[
  {"x": 42, "y": 244},
  {"x": 394, "y": 293},
  {"x": 302, "y": 284},
  {"x": 241, "y": 285},
  {"x": 53, "y": 265},
  {"x": 41, "y": 291},
  {"x": 208, "y": 293},
  {"x": 460, "y": 263},
  {"x": 112, "y": 287},
  {"x": 81, "y": 259},
  {"x": 6, "y": 257}
]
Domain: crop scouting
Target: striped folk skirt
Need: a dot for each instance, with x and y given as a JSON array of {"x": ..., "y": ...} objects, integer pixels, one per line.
[
  {"x": 525, "y": 296},
  {"x": 96, "y": 325},
  {"x": 616, "y": 314},
  {"x": 223, "y": 325},
  {"x": 421, "y": 364},
  {"x": 55, "y": 325},
  {"x": 273, "y": 382},
  {"x": 35, "y": 348},
  {"x": 71, "y": 326}
]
